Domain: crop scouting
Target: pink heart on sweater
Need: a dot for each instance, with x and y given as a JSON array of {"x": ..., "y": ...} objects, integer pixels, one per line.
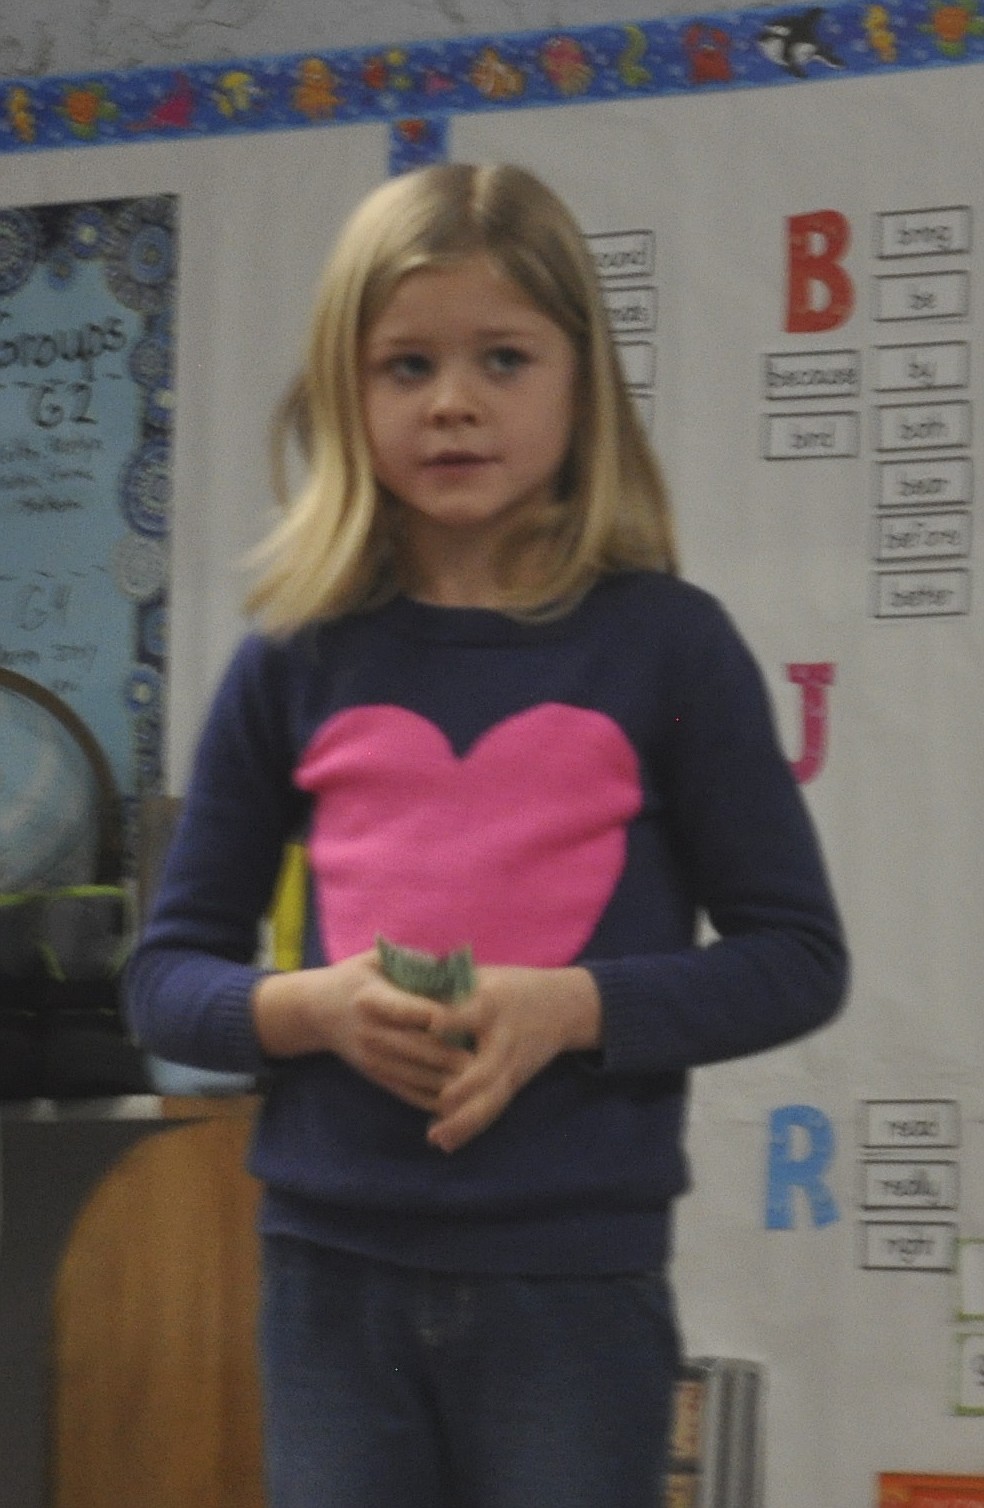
[{"x": 516, "y": 847}]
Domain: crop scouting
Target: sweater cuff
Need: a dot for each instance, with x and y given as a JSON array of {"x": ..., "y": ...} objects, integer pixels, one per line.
[
  {"x": 232, "y": 1040},
  {"x": 628, "y": 1028}
]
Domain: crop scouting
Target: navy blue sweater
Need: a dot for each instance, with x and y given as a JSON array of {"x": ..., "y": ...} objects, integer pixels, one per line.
[{"x": 571, "y": 792}]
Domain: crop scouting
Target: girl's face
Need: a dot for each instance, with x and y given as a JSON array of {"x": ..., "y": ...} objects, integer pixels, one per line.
[{"x": 468, "y": 395}]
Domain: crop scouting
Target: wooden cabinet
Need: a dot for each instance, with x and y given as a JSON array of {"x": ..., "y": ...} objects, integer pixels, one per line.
[{"x": 151, "y": 1391}]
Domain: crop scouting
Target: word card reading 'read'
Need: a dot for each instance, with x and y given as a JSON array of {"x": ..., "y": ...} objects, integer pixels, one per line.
[{"x": 906, "y": 1124}]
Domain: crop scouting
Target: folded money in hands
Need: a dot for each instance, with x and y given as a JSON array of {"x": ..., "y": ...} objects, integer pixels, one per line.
[{"x": 449, "y": 979}]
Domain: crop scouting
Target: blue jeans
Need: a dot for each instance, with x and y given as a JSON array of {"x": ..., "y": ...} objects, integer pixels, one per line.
[{"x": 390, "y": 1387}]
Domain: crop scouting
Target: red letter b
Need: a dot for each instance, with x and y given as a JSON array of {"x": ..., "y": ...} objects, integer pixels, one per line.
[{"x": 816, "y": 243}]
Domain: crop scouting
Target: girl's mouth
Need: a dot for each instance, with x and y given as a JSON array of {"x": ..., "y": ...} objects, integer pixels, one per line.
[{"x": 452, "y": 458}]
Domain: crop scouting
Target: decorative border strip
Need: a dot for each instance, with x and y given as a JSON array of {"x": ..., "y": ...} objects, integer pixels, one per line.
[{"x": 416, "y": 88}]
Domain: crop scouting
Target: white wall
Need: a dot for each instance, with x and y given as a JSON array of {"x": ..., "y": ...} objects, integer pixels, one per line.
[{"x": 78, "y": 36}]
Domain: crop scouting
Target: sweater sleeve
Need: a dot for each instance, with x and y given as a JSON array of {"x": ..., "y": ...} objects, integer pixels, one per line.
[
  {"x": 190, "y": 978},
  {"x": 744, "y": 841}
]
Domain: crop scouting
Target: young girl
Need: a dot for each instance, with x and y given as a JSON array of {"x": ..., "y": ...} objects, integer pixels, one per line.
[{"x": 497, "y": 718}]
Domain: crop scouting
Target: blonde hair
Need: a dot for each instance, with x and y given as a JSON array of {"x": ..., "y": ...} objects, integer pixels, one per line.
[{"x": 336, "y": 548}]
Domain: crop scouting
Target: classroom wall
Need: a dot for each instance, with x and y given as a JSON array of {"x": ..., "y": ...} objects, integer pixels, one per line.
[{"x": 72, "y": 36}]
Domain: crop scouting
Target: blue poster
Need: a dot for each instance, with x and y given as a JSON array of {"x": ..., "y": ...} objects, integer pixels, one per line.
[{"x": 87, "y": 296}]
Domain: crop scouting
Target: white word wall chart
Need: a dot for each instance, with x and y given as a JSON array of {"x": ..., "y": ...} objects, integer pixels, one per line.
[{"x": 787, "y": 217}]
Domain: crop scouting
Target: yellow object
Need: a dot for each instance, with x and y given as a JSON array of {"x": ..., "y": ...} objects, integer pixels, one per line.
[
  {"x": 236, "y": 92},
  {"x": 287, "y": 911},
  {"x": 20, "y": 114},
  {"x": 316, "y": 95},
  {"x": 880, "y": 34}
]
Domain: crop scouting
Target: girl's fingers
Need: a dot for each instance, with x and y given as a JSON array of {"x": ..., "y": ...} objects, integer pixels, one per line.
[
  {"x": 419, "y": 1049},
  {"x": 411, "y": 1063},
  {"x": 423, "y": 1077},
  {"x": 404, "y": 1012},
  {"x": 455, "y": 1128}
]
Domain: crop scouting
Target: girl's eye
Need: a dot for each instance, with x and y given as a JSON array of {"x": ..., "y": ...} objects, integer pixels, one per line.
[
  {"x": 504, "y": 360},
  {"x": 408, "y": 367}
]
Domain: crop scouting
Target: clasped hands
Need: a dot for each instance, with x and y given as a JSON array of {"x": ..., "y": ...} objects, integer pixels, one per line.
[{"x": 519, "y": 1019}]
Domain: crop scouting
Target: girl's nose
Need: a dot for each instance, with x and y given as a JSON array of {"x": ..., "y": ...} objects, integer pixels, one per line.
[{"x": 453, "y": 399}]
